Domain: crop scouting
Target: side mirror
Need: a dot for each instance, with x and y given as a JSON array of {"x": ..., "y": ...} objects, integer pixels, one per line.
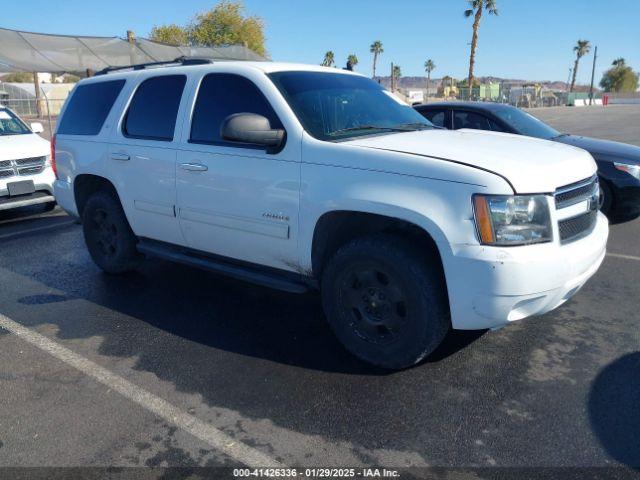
[
  {"x": 36, "y": 127},
  {"x": 253, "y": 129}
]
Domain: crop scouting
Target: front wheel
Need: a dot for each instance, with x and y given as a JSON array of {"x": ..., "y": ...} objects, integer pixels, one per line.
[
  {"x": 606, "y": 197},
  {"x": 109, "y": 238},
  {"x": 386, "y": 301}
]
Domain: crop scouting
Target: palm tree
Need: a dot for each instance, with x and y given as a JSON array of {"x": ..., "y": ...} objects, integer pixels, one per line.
[
  {"x": 581, "y": 49},
  {"x": 619, "y": 62},
  {"x": 352, "y": 61},
  {"x": 429, "y": 66},
  {"x": 476, "y": 10},
  {"x": 329, "y": 59},
  {"x": 377, "y": 50}
]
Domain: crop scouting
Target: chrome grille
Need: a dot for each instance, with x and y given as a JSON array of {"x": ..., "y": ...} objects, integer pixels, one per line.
[
  {"x": 30, "y": 170},
  {"x": 577, "y": 227},
  {"x": 29, "y": 161},
  {"x": 22, "y": 166},
  {"x": 581, "y": 225},
  {"x": 576, "y": 192}
]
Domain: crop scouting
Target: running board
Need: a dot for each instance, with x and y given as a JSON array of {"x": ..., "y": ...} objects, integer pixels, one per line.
[{"x": 203, "y": 261}]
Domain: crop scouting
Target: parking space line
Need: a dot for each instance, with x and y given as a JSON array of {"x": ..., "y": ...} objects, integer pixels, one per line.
[
  {"x": 626, "y": 257},
  {"x": 147, "y": 400},
  {"x": 36, "y": 230}
]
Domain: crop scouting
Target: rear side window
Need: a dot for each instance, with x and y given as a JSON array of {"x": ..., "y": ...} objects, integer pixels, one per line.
[
  {"x": 221, "y": 95},
  {"x": 154, "y": 108},
  {"x": 88, "y": 108},
  {"x": 434, "y": 116}
]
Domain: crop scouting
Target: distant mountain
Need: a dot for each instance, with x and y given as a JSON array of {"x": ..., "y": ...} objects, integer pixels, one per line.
[{"x": 410, "y": 83}]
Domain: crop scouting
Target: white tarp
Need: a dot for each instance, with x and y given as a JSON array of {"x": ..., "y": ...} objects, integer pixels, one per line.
[{"x": 39, "y": 52}]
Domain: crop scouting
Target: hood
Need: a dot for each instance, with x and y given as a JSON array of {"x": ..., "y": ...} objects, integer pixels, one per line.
[
  {"x": 23, "y": 146},
  {"x": 530, "y": 165},
  {"x": 603, "y": 148}
]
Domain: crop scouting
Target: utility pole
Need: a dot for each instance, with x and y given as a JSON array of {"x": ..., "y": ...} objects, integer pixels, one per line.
[
  {"x": 131, "y": 38},
  {"x": 569, "y": 79},
  {"x": 393, "y": 79},
  {"x": 36, "y": 84},
  {"x": 593, "y": 73}
]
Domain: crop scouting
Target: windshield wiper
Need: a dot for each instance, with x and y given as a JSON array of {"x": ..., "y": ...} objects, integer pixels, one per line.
[
  {"x": 413, "y": 126},
  {"x": 368, "y": 127}
]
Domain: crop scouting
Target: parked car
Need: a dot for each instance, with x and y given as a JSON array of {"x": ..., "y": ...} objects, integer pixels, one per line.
[
  {"x": 301, "y": 177},
  {"x": 618, "y": 163},
  {"x": 26, "y": 175}
]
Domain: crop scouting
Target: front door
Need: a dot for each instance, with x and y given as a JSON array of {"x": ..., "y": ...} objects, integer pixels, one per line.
[{"x": 237, "y": 200}]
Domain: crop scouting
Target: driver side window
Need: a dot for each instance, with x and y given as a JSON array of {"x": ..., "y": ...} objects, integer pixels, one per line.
[
  {"x": 221, "y": 95},
  {"x": 475, "y": 121}
]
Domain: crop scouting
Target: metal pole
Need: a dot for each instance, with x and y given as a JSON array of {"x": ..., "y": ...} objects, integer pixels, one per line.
[
  {"x": 36, "y": 84},
  {"x": 131, "y": 38},
  {"x": 593, "y": 73},
  {"x": 393, "y": 79},
  {"x": 48, "y": 114}
]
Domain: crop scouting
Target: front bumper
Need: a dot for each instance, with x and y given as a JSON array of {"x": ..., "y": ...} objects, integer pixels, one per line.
[
  {"x": 492, "y": 286},
  {"x": 626, "y": 201},
  {"x": 43, "y": 183}
]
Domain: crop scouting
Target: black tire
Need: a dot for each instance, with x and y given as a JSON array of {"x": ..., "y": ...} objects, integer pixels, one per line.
[
  {"x": 49, "y": 206},
  {"x": 386, "y": 300},
  {"x": 109, "y": 238},
  {"x": 606, "y": 198}
]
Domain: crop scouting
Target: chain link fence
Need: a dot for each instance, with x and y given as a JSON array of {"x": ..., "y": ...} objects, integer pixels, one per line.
[{"x": 21, "y": 99}]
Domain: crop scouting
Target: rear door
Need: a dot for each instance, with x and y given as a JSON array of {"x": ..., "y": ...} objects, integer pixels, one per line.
[{"x": 142, "y": 157}]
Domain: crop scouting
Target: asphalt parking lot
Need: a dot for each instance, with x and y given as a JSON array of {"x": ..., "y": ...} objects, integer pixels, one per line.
[{"x": 172, "y": 366}]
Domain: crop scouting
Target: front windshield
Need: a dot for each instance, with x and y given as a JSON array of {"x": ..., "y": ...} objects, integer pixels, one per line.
[
  {"x": 10, "y": 124},
  {"x": 334, "y": 106},
  {"x": 525, "y": 124}
]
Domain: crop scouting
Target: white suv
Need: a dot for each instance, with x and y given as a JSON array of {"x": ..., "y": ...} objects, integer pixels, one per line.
[
  {"x": 300, "y": 177},
  {"x": 26, "y": 176}
]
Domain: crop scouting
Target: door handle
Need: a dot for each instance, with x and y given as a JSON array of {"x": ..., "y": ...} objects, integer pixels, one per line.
[
  {"x": 122, "y": 157},
  {"x": 194, "y": 167}
]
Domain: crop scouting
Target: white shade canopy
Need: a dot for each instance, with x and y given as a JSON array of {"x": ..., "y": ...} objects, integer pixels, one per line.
[{"x": 39, "y": 52}]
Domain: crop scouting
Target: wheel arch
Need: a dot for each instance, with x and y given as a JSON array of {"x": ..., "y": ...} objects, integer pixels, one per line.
[
  {"x": 336, "y": 227},
  {"x": 85, "y": 185}
]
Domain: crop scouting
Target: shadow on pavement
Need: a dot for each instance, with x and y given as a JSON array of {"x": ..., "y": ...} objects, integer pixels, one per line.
[
  {"x": 614, "y": 409},
  {"x": 261, "y": 353},
  {"x": 234, "y": 316}
]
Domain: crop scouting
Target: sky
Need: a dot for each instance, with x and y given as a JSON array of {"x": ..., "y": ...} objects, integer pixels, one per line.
[{"x": 528, "y": 40}]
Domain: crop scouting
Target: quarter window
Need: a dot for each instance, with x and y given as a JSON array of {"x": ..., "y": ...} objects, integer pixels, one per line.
[
  {"x": 88, "y": 108},
  {"x": 221, "y": 95},
  {"x": 154, "y": 108}
]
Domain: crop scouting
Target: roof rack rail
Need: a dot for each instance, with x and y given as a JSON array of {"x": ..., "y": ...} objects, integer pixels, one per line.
[{"x": 141, "y": 66}]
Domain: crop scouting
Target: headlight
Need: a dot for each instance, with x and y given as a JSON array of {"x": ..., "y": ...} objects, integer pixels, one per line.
[
  {"x": 507, "y": 220},
  {"x": 633, "y": 170}
]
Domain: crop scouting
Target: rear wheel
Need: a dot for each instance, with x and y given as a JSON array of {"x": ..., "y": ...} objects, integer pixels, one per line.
[
  {"x": 386, "y": 301},
  {"x": 109, "y": 238}
]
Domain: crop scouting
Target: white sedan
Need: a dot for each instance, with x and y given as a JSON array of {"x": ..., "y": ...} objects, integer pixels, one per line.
[{"x": 26, "y": 175}]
